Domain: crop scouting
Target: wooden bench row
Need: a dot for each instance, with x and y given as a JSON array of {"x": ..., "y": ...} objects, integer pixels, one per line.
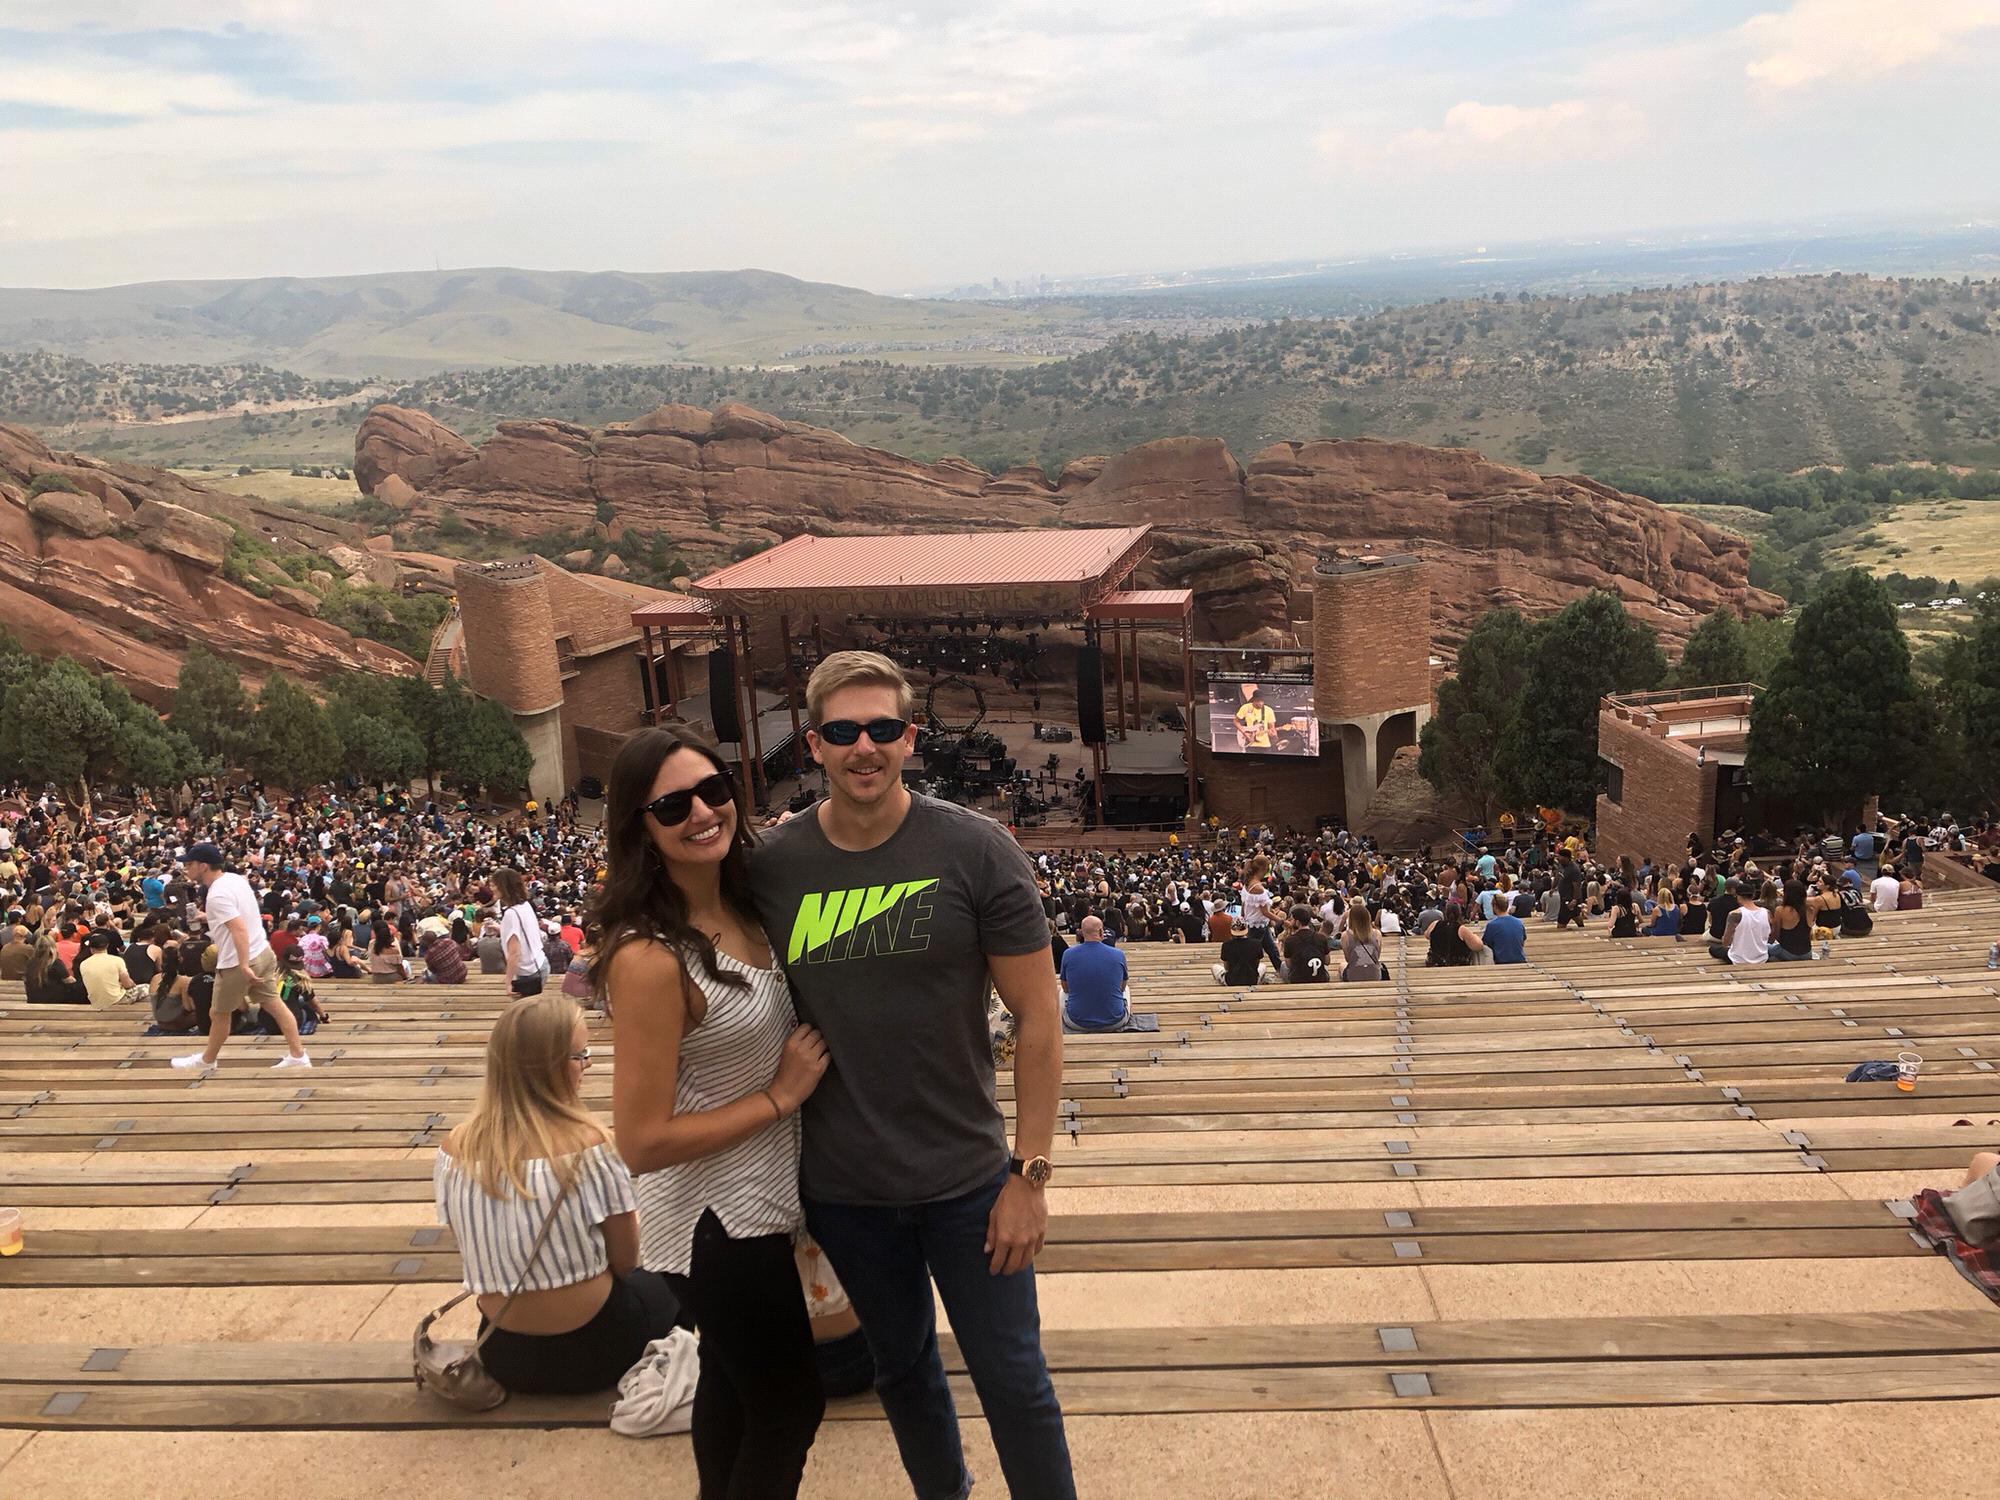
[{"x": 1511, "y": 1364}]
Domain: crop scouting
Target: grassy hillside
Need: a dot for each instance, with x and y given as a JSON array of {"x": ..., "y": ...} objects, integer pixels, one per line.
[
  {"x": 412, "y": 322},
  {"x": 1768, "y": 375}
]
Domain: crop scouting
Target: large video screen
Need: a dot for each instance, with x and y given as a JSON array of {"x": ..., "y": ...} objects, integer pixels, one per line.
[{"x": 1249, "y": 716}]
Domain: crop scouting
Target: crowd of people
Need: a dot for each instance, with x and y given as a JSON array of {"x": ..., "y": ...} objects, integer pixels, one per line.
[
  {"x": 805, "y": 1153},
  {"x": 218, "y": 906}
]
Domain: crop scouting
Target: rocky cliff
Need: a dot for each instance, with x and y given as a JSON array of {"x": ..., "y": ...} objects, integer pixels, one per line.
[
  {"x": 123, "y": 571},
  {"x": 1243, "y": 536}
]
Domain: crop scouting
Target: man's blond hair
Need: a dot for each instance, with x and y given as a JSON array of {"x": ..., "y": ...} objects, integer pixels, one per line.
[{"x": 845, "y": 669}]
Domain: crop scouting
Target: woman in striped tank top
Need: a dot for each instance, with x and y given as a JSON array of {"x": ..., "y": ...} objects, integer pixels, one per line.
[{"x": 711, "y": 1068}]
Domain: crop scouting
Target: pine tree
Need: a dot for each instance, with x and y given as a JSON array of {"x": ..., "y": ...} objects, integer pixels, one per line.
[
  {"x": 1717, "y": 652},
  {"x": 484, "y": 748},
  {"x": 1840, "y": 711},
  {"x": 53, "y": 722},
  {"x": 1460, "y": 743},
  {"x": 1591, "y": 647},
  {"x": 295, "y": 746},
  {"x": 211, "y": 708}
]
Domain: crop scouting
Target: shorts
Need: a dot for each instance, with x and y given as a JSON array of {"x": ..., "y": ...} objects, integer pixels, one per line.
[{"x": 239, "y": 986}]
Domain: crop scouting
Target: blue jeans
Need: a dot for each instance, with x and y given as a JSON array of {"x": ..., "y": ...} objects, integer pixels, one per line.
[
  {"x": 887, "y": 1259},
  {"x": 1785, "y": 955},
  {"x": 1263, "y": 935}
]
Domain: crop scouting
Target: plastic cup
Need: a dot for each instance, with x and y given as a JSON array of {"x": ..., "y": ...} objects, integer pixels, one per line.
[
  {"x": 1907, "y": 1064},
  {"x": 10, "y": 1231}
]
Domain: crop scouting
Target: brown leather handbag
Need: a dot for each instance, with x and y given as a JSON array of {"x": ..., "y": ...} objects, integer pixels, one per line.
[{"x": 450, "y": 1369}]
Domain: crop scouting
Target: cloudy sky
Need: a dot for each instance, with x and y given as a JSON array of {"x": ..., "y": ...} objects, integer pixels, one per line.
[{"x": 918, "y": 144}]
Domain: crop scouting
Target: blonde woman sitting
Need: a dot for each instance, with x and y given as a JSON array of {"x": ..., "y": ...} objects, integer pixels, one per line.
[{"x": 528, "y": 1151}]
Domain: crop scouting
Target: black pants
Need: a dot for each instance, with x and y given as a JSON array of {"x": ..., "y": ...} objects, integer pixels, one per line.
[
  {"x": 846, "y": 1368},
  {"x": 593, "y": 1357},
  {"x": 758, "y": 1405}
]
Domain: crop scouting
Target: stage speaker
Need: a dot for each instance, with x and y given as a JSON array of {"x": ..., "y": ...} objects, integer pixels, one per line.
[
  {"x": 1090, "y": 694},
  {"x": 590, "y": 787},
  {"x": 722, "y": 697}
]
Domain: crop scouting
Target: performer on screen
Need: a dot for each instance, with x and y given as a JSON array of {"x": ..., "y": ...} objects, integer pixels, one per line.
[{"x": 1255, "y": 722}]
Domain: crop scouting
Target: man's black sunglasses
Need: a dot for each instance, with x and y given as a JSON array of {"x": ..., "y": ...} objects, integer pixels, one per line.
[
  {"x": 846, "y": 731},
  {"x": 671, "y": 810}
]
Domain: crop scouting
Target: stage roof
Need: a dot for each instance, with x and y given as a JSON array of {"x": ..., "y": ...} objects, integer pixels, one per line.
[
  {"x": 1144, "y": 604},
  {"x": 1044, "y": 571},
  {"x": 679, "y": 610}
]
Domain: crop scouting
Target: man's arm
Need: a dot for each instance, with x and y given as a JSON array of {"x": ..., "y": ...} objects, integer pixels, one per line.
[
  {"x": 1020, "y": 1219},
  {"x": 239, "y": 930}
]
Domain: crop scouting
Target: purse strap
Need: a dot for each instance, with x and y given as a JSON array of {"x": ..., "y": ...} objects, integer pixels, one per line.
[{"x": 534, "y": 1254}]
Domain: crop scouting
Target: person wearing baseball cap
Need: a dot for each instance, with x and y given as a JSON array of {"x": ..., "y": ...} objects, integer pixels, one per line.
[{"x": 246, "y": 970}]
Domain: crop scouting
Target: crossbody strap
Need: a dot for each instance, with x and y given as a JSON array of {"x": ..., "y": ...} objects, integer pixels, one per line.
[{"x": 534, "y": 1253}]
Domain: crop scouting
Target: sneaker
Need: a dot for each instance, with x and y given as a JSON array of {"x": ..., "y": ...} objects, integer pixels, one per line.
[
  {"x": 301, "y": 1061},
  {"x": 194, "y": 1062}
]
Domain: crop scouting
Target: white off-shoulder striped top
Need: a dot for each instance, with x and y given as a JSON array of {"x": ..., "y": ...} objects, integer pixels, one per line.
[
  {"x": 753, "y": 1186},
  {"x": 495, "y": 1234}
]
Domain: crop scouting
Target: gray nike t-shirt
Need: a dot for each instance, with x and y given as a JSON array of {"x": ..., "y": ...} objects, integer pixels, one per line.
[{"x": 886, "y": 953}]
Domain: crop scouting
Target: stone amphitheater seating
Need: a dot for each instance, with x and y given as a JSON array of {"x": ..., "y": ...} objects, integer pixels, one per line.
[{"x": 1610, "y": 1223}]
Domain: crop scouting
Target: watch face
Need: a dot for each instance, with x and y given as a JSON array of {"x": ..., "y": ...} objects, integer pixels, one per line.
[{"x": 1038, "y": 1170}]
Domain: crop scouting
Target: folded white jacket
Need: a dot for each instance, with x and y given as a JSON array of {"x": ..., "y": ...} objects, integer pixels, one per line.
[{"x": 656, "y": 1395}]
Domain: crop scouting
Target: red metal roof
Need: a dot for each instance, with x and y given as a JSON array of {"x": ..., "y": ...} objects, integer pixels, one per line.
[
  {"x": 679, "y": 610},
  {"x": 1144, "y": 604},
  {"x": 980, "y": 559}
]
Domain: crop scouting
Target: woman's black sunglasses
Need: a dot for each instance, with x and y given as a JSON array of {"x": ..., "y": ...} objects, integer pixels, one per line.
[
  {"x": 846, "y": 731},
  {"x": 671, "y": 810}
]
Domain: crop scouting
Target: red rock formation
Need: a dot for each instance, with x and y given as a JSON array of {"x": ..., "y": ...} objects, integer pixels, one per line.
[
  {"x": 129, "y": 600},
  {"x": 1237, "y": 535},
  {"x": 404, "y": 442}
]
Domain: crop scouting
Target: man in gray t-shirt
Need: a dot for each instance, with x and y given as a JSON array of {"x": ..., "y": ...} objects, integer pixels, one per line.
[
  {"x": 886, "y": 951},
  {"x": 894, "y": 917}
]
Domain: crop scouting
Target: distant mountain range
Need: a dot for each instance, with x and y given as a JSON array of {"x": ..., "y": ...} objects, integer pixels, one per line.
[{"x": 414, "y": 322}]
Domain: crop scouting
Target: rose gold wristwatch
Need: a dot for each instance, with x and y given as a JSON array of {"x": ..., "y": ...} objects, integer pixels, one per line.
[{"x": 1037, "y": 1170}]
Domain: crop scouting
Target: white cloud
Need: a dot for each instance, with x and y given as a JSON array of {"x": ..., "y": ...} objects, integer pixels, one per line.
[
  {"x": 122, "y": 91},
  {"x": 1473, "y": 134},
  {"x": 892, "y": 142},
  {"x": 1822, "y": 39}
]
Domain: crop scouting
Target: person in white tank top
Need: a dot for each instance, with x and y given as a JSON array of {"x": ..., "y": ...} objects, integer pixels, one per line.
[
  {"x": 711, "y": 1067},
  {"x": 1746, "y": 938}
]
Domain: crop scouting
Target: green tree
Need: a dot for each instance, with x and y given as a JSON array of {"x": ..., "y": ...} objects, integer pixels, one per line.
[
  {"x": 211, "y": 708},
  {"x": 1970, "y": 677},
  {"x": 1717, "y": 652},
  {"x": 1842, "y": 707},
  {"x": 375, "y": 750},
  {"x": 53, "y": 724},
  {"x": 1766, "y": 640},
  {"x": 1460, "y": 744},
  {"x": 1591, "y": 647},
  {"x": 141, "y": 750},
  {"x": 484, "y": 748},
  {"x": 295, "y": 746}
]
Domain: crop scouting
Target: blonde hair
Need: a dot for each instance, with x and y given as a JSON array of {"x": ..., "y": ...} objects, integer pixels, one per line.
[
  {"x": 528, "y": 1107},
  {"x": 1359, "y": 923},
  {"x": 846, "y": 669}
]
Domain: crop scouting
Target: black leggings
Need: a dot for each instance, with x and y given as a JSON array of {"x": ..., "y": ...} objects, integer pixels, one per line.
[
  {"x": 593, "y": 1357},
  {"x": 758, "y": 1405}
]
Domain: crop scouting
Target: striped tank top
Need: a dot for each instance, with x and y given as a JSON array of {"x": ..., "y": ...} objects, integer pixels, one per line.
[{"x": 753, "y": 1186}]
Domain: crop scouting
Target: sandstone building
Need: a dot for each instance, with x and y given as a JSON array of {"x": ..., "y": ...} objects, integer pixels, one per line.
[{"x": 558, "y": 649}]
